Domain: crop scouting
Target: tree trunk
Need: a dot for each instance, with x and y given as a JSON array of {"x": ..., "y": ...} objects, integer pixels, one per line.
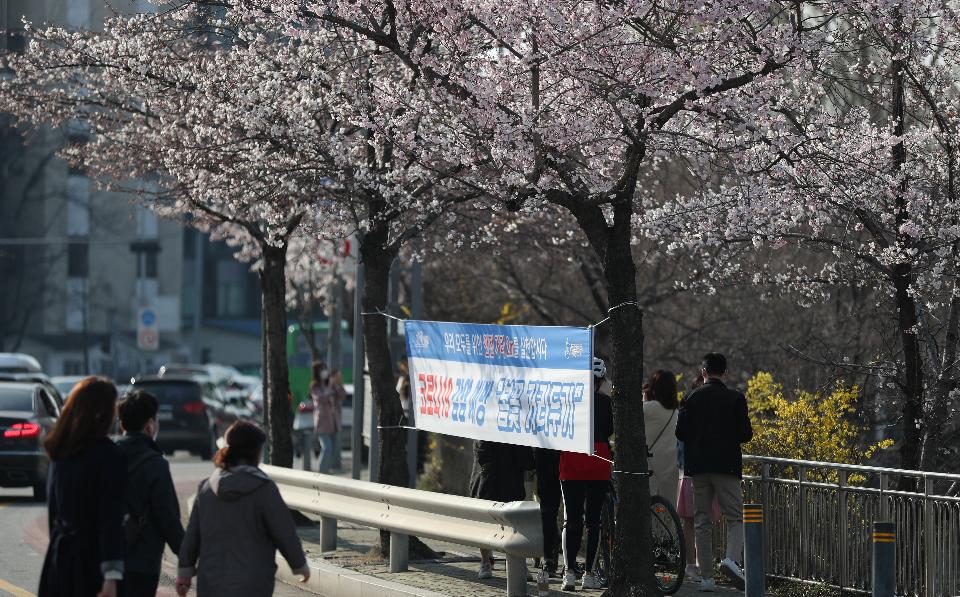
[
  {"x": 632, "y": 573},
  {"x": 907, "y": 317},
  {"x": 936, "y": 413},
  {"x": 377, "y": 258},
  {"x": 276, "y": 390},
  {"x": 911, "y": 410}
]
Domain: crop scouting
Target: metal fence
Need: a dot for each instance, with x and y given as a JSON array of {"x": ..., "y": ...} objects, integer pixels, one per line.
[{"x": 818, "y": 518}]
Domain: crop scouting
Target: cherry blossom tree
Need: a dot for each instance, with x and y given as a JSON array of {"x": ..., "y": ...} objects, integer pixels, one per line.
[
  {"x": 168, "y": 100},
  {"x": 575, "y": 103},
  {"x": 857, "y": 165}
]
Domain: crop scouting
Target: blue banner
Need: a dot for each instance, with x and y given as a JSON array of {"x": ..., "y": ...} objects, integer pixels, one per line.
[{"x": 527, "y": 385}]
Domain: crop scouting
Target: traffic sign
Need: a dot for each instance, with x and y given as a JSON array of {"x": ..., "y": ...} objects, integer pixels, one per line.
[{"x": 148, "y": 337}]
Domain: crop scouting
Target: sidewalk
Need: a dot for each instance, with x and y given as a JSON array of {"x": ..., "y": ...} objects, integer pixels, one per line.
[{"x": 453, "y": 574}]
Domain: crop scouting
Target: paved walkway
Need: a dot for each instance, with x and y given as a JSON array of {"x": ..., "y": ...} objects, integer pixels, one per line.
[{"x": 453, "y": 574}]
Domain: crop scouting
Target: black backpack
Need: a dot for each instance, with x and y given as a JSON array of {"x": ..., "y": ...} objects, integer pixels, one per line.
[{"x": 133, "y": 522}]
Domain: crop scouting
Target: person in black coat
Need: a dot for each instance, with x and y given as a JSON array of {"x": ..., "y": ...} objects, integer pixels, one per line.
[
  {"x": 712, "y": 424},
  {"x": 498, "y": 475},
  {"x": 85, "y": 497},
  {"x": 150, "y": 501}
]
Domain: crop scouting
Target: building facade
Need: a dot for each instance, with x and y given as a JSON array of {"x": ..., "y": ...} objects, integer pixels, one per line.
[{"x": 78, "y": 265}]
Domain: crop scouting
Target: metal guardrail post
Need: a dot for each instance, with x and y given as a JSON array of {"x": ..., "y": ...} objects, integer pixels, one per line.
[
  {"x": 306, "y": 450},
  {"x": 884, "y": 559},
  {"x": 328, "y": 533},
  {"x": 844, "y": 529},
  {"x": 516, "y": 576},
  {"x": 753, "y": 549},
  {"x": 399, "y": 552},
  {"x": 803, "y": 538},
  {"x": 929, "y": 548}
]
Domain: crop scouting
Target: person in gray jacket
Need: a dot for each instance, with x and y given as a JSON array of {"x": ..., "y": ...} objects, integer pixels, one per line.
[{"x": 237, "y": 524}]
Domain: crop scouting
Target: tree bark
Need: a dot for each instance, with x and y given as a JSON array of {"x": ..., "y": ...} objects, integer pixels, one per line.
[
  {"x": 377, "y": 257},
  {"x": 276, "y": 388},
  {"x": 632, "y": 570},
  {"x": 912, "y": 407},
  {"x": 936, "y": 411},
  {"x": 907, "y": 317}
]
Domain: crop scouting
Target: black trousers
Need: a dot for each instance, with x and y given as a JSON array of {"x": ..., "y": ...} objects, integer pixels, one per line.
[
  {"x": 138, "y": 584},
  {"x": 548, "y": 492},
  {"x": 582, "y": 504}
]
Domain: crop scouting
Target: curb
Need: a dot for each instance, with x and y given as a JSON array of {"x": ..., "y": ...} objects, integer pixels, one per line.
[{"x": 331, "y": 580}]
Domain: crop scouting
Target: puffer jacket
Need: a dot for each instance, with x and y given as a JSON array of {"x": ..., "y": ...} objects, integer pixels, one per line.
[{"x": 237, "y": 524}]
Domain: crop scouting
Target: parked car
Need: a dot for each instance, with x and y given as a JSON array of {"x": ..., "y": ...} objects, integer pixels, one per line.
[
  {"x": 39, "y": 378},
  {"x": 17, "y": 362},
  {"x": 65, "y": 383},
  {"x": 192, "y": 415},
  {"x": 27, "y": 413},
  {"x": 218, "y": 374}
]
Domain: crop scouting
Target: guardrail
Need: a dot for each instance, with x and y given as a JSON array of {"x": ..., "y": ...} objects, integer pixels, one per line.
[
  {"x": 510, "y": 527},
  {"x": 819, "y": 516}
]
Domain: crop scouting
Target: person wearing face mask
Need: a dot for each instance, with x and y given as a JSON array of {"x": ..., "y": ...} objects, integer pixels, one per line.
[{"x": 152, "y": 512}]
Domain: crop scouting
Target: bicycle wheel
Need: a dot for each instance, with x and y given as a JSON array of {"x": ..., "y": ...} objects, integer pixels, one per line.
[
  {"x": 669, "y": 551},
  {"x": 601, "y": 566}
]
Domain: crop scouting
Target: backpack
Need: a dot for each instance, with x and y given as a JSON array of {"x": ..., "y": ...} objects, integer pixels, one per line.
[{"x": 134, "y": 523}]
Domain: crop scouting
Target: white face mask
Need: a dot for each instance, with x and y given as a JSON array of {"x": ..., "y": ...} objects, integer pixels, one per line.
[{"x": 156, "y": 429}]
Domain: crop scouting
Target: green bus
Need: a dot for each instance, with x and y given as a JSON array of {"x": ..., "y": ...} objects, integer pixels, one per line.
[{"x": 299, "y": 359}]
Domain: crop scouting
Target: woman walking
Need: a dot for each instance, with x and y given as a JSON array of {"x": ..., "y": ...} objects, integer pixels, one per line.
[
  {"x": 584, "y": 482},
  {"x": 325, "y": 420},
  {"x": 660, "y": 406},
  {"x": 237, "y": 524},
  {"x": 498, "y": 475},
  {"x": 85, "y": 491}
]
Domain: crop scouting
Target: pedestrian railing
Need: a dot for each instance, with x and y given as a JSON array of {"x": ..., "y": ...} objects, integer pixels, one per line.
[
  {"x": 513, "y": 528},
  {"x": 818, "y": 520}
]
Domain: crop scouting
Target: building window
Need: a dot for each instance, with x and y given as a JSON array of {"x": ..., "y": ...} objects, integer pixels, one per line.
[
  {"x": 76, "y": 320},
  {"x": 73, "y": 367},
  {"x": 147, "y": 265},
  {"x": 78, "y": 205},
  {"x": 78, "y": 260}
]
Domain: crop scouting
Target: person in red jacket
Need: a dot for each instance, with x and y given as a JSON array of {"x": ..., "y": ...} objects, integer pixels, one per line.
[{"x": 584, "y": 482}]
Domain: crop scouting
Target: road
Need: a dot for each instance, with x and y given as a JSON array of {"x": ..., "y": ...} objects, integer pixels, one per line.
[{"x": 23, "y": 534}]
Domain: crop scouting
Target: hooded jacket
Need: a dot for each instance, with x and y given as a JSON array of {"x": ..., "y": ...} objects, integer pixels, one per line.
[
  {"x": 237, "y": 524},
  {"x": 150, "y": 494}
]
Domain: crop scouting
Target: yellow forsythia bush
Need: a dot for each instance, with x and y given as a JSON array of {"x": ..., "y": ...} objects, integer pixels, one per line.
[{"x": 806, "y": 425}]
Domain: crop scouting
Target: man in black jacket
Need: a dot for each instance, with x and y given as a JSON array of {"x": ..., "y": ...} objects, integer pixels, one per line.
[
  {"x": 712, "y": 424},
  {"x": 152, "y": 510}
]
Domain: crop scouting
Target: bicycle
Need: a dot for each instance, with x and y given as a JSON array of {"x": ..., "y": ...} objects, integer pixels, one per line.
[{"x": 669, "y": 549}]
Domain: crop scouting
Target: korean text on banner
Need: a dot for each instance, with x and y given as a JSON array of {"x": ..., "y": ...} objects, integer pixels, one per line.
[{"x": 527, "y": 385}]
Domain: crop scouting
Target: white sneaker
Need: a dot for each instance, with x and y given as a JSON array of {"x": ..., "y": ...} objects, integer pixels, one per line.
[
  {"x": 486, "y": 570},
  {"x": 590, "y": 581},
  {"x": 569, "y": 581},
  {"x": 733, "y": 572},
  {"x": 692, "y": 573},
  {"x": 708, "y": 585}
]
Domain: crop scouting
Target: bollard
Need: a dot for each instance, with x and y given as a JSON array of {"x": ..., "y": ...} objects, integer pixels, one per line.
[
  {"x": 753, "y": 550},
  {"x": 306, "y": 449},
  {"x": 516, "y": 576},
  {"x": 884, "y": 559},
  {"x": 399, "y": 552},
  {"x": 328, "y": 533}
]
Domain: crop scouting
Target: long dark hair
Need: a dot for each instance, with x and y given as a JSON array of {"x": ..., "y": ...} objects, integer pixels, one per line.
[
  {"x": 662, "y": 387},
  {"x": 87, "y": 416},
  {"x": 244, "y": 444}
]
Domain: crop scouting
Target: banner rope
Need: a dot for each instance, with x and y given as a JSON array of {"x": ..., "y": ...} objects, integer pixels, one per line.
[
  {"x": 381, "y": 312},
  {"x": 611, "y": 310},
  {"x": 646, "y": 474}
]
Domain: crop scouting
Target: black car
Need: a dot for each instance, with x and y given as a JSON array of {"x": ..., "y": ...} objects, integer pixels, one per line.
[
  {"x": 192, "y": 413},
  {"x": 27, "y": 413}
]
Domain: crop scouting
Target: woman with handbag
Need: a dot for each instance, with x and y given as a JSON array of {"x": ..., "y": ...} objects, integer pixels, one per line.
[{"x": 660, "y": 404}]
